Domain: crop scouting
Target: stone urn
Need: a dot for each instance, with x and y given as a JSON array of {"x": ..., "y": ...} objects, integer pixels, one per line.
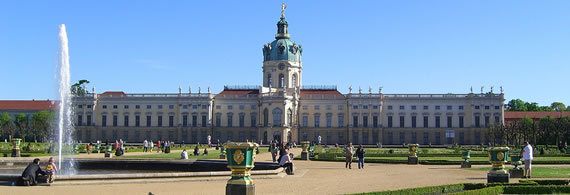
[
  {"x": 108, "y": 153},
  {"x": 223, "y": 153},
  {"x": 305, "y": 152},
  {"x": 498, "y": 157},
  {"x": 16, "y": 147},
  {"x": 240, "y": 158},
  {"x": 516, "y": 172},
  {"x": 413, "y": 157},
  {"x": 466, "y": 155}
]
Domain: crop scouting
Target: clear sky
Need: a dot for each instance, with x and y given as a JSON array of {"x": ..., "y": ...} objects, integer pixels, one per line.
[{"x": 406, "y": 46}]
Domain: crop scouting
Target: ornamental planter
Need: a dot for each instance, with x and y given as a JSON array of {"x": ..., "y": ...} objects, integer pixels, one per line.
[
  {"x": 466, "y": 155},
  {"x": 498, "y": 157},
  {"x": 240, "y": 158},
  {"x": 516, "y": 172},
  {"x": 223, "y": 153},
  {"x": 305, "y": 152},
  {"x": 16, "y": 147},
  {"x": 413, "y": 158}
]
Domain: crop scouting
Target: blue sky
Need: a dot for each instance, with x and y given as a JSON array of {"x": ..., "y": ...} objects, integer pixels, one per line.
[{"x": 405, "y": 46}]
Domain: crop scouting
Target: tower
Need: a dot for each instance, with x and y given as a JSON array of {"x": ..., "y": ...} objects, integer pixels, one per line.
[{"x": 281, "y": 85}]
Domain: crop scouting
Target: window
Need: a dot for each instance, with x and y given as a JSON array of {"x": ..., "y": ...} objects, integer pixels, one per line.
[
  {"x": 253, "y": 107},
  {"x": 159, "y": 106},
  {"x": 88, "y": 120},
  {"x": 253, "y": 120},
  {"x": 460, "y": 107},
  {"x": 115, "y": 120},
  {"x": 281, "y": 81},
  {"x": 375, "y": 107},
  {"x": 171, "y": 121},
  {"x": 104, "y": 106},
  {"x": 171, "y": 107},
  {"x": 426, "y": 121},
  {"x": 79, "y": 106},
  {"x": 389, "y": 121},
  {"x": 355, "y": 107},
  {"x": 355, "y": 137},
  {"x": 449, "y": 107},
  {"x": 218, "y": 120},
  {"x": 160, "y": 121},
  {"x": 79, "y": 120},
  {"x": 477, "y": 107},
  {"x": 148, "y": 106},
  {"x": 241, "y": 107},
  {"x": 204, "y": 121},
  {"x": 477, "y": 138},
  {"x": 414, "y": 137},
  {"x": 340, "y": 107},
  {"x": 486, "y": 121},
  {"x": 317, "y": 120},
  {"x": 341, "y": 137},
  {"x": 413, "y": 107},
  {"x": 329, "y": 121},
  {"x": 329, "y": 107},
  {"x": 126, "y": 121},
  {"x": 461, "y": 138},
  {"x": 402, "y": 137},
  {"x": 437, "y": 138},
  {"x": 437, "y": 107},
  {"x": 317, "y": 107},
  {"x": 126, "y": 134},
  {"x": 449, "y": 122},
  {"x": 230, "y": 107},
  {"x": 115, "y": 106},
  {"x": 137, "y": 121},
  {"x": 269, "y": 80},
  {"x": 486, "y": 107},
  {"x": 137, "y": 106},
  {"x": 477, "y": 121},
  {"x": 277, "y": 116},
  {"x": 460, "y": 121},
  {"x": 497, "y": 107},
  {"x": 437, "y": 122},
  {"x": 364, "y": 107},
  {"x": 204, "y": 107},
  {"x": 340, "y": 121},
  {"x": 230, "y": 120},
  {"x": 305, "y": 107},
  {"x": 217, "y": 107},
  {"x": 265, "y": 117},
  {"x": 426, "y": 138},
  {"x": 230, "y": 135},
  {"x": 185, "y": 120},
  {"x": 242, "y": 120},
  {"x": 354, "y": 121},
  {"x": 414, "y": 121},
  {"x": 305, "y": 121},
  {"x": 402, "y": 121},
  {"x": 148, "y": 121},
  {"x": 194, "y": 121},
  {"x": 426, "y": 107},
  {"x": 390, "y": 138},
  {"x": 375, "y": 121},
  {"x": 126, "y": 106},
  {"x": 389, "y": 107},
  {"x": 402, "y": 107},
  {"x": 365, "y": 121}
]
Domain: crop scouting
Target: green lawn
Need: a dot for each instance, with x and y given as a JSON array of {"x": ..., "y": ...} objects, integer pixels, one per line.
[
  {"x": 175, "y": 154},
  {"x": 541, "y": 172},
  {"x": 536, "y": 159}
]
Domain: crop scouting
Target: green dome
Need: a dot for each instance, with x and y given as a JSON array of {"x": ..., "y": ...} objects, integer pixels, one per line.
[{"x": 282, "y": 48}]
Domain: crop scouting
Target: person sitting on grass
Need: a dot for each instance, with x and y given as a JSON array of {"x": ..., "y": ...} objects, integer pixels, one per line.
[
  {"x": 31, "y": 172},
  {"x": 286, "y": 161},
  {"x": 205, "y": 152},
  {"x": 196, "y": 151},
  {"x": 184, "y": 155}
]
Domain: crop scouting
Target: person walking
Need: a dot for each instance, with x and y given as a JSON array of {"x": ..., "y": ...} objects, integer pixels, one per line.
[
  {"x": 360, "y": 155},
  {"x": 158, "y": 146},
  {"x": 349, "y": 152},
  {"x": 527, "y": 155},
  {"x": 88, "y": 147},
  {"x": 151, "y": 146},
  {"x": 145, "y": 146}
]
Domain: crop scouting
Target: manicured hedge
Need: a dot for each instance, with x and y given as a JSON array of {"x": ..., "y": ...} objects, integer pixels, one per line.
[
  {"x": 547, "y": 182},
  {"x": 483, "y": 191},
  {"x": 536, "y": 189},
  {"x": 423, "y": 190}
]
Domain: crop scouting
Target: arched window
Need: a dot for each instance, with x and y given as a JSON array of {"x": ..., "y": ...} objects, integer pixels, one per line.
[
  {"x": 269, "y": 80},
  {"x": 281, "y": 80},
  {"x": 294, "y": 81},
  {"x": 265, "y": 117},
  {"x": 277, "y": 117}
]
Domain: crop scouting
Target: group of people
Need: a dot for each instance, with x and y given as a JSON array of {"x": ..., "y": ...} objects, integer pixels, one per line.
[
  {"x": 33, "y": 170},
  {"x": 184, "y": 154},
  {"x": 161, "y": 146},
  {"x": 349, "y": 153}
]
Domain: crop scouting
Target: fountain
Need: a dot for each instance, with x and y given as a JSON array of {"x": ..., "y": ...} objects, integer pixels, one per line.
[{"x": 65, "y": 125}]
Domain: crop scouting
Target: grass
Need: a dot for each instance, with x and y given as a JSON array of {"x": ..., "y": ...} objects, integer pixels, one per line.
[
  {"x": 471, "y": 159},
  {"x": 174, "y": 154},
  {"x": 542, "y": 172}
]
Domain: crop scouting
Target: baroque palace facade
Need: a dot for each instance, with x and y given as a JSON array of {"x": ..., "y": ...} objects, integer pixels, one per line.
[{"x": 283, "y": 109}]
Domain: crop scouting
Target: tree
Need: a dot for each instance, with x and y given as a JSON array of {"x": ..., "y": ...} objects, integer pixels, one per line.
[
  {"x": 564, "y": 128},
  {"x": 532, "y": 106},
  {"x": 528, "y": 129},
  {"x": 516, "y": 105},
  {"x": 41, "y": 123},
  {"x": 22, "y": 125},
  {"x": 7, "y": 125},
  {"x": 558, "y": 106},
  {"x": 548, "y": 129},
  {"x": 546, "y": 109},
  {"x": 79, "y": 88}
]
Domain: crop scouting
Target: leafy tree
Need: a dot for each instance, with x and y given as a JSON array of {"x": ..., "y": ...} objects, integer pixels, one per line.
[
  {"x": 528, "y": 129},
  {"x": 548, "y": 129},
  {"x": 558, "y": 106},
  {"x": 516, "y": 105},
  {"x": 532, "y": 106},
  {"x": 41, "y": 123},
  {"x": 79, "y": 88},
  {"x": 7, "y": 125},
  {"x": 546, "y": 109},
  {"x": 22, "y": 126}
]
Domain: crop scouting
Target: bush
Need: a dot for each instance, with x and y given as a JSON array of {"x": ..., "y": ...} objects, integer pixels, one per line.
[
  {"x": 391, "y": 151},
  {"x": 423, "y": 190},
  {"x": 541, "y": 151},
  {"x": 536, "y": 189},
  {"x": 485, "y": 191},
  {"x": 550, "y": 182}
]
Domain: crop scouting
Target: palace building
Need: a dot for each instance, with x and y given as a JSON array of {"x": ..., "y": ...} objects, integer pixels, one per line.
[{"x": 283, "y": 109}]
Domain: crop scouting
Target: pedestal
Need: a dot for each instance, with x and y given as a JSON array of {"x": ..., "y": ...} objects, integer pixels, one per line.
[
  {"x": 516, "y": 173},
  {"x": 492, "y": 178},
  {"x": 304, "y": 155},
  {"x": 240, "y": 189},
  {"x": 465, "y": 164},
  {"x": 413, "y": 160},
  {"x": 222, "y": 156},
  {"x": 16, "y": 152}
]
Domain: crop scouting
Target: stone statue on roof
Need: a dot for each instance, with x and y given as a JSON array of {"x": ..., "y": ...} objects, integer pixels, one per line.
[
  {"x": 482, "y": 89},
  {"x": 501, "y": 89},
  {"x": 209, "y": 89},
  {"x": 199, "y": 90},
  {"x": 369, "y": 90},
  {"x": 492, "y": 89},
  {"x": 350, "y": 89}
]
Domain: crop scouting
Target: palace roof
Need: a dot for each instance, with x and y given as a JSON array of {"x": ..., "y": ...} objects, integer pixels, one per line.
[
  {"x": 28, "y": 104},
  {"x": 534, "y": 115}
]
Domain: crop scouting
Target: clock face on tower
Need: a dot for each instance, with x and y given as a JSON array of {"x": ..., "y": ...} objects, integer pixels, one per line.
[{"x": 281, "y": 66}]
